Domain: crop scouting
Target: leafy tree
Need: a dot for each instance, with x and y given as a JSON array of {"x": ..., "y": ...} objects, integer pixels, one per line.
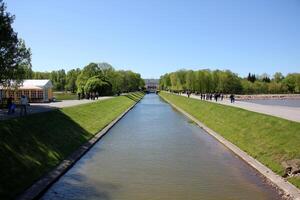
[
  {"x": 87, "y": 72},
  {"x": 121, "y": 81},
  {"x": 71, "y": 80},
  {"x": 95, "y": 84},
  {"x": 14, "y": 56},
  {"x": 190, "y": 80},
  {"x": 278, "y": 77},
  {"x": 292, "y": 82},
  {"x": 165, "y": 82},
  {"x": 58, "y": 79},
  {"x": 41, "y": 75}
]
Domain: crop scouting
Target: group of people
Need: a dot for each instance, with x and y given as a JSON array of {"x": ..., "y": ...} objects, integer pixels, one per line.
[
  {"x": 11, "y": 106},
  {"x": 211, "y": 96},
  {"x": 91, "y": 95}
]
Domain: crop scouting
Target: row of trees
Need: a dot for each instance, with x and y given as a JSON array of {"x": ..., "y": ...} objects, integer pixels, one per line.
[
  {"x": 95, "y": 77},
  {"x": 207, "y": 81},
  {"x": 103, "y": 78}
]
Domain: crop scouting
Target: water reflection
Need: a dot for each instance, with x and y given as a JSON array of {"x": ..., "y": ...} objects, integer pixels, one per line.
[{"x": 155, "y": 153}]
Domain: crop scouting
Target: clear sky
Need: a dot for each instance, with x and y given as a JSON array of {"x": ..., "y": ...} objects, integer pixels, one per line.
[{"x": 153, "y": 37}]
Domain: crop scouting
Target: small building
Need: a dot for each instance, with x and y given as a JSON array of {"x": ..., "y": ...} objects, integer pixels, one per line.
[
  {"x": 151, "y": 85},
  {"x": 34, "y": 90}
]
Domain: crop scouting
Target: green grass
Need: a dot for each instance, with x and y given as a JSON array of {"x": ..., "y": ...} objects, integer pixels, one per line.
[
  {"x": 64, "y": 96},
  {"x": 270, "y": 140},
  {"x": 295, "y": 181},
  {"x": 33, "y": 145}
]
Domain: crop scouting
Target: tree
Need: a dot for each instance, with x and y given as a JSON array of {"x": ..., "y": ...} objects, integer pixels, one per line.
[
  {"x": 87, "y": 72},
  {"x": 121, "y": 81},
  {"x": 95, "y": 84},
  {"x": 71, "y": 80},
  {"x": 41, "y": 75},
  {"x": 58, "y": 79},
  {"x": 251, "y": 78},
  {"x": 292, "y": 82},
  {"x": 14, "y": 56},
  {"x": 190, "y": 80},
  {"x": 118, "y": 83},
  {"x": 278, "y": 77}
]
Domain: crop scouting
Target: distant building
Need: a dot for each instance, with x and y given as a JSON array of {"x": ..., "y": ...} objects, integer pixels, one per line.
[
  {"x": 151, "y": 85},
  {"x": 35, "y": 90}
]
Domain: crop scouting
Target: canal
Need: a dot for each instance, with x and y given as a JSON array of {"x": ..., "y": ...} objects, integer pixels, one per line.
[{"x": 154, "y": 152}]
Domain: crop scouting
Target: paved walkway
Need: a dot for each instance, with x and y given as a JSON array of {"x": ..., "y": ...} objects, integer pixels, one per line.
[
  {"x": 290, "y": 113},
  {"x": 44, "y": 107}
]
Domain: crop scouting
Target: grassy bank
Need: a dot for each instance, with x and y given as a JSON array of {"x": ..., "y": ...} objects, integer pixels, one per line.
[
  {"x": 33, "y": 145},
  {"x": 270, "y": 140}
]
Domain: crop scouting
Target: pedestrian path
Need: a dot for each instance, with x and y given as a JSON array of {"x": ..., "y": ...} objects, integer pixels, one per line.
[
  {"x": 289, "y": 113},
  {"x": 44, "y": 107}
]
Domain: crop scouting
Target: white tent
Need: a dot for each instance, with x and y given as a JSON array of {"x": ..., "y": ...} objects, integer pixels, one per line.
[{"x": 35, "y": 90}]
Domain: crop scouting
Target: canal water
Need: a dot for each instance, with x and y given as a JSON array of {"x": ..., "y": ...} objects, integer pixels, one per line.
[{"x": 156, "y": 153}]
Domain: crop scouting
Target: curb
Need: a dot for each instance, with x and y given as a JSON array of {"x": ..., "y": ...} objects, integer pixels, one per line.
[
  {"x": 37, "y": 189},
  {"x": 289, "y": 189}
]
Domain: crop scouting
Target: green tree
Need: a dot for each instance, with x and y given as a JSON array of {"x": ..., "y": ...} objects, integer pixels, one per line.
[
  {"x": 71, "y": 78},
  {"x": 87, "y": 72},
  {"x": 292, "y": 82},
  {"x": 41, "y": 75},
  {"x": 58, "y": 79},
  {"x": 96, "y": 84},
  {"x": 278, "y": 77},
  {"x": 14, "y": 56},
  {"x": 190, "y": 80}
]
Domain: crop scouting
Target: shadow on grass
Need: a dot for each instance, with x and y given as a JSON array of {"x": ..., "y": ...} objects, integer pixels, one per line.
[{"x": 33, "y": 145}]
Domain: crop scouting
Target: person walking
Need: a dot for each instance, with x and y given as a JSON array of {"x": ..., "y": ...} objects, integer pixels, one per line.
[
  {"x": 216, "y": 96},
  {"x": 24, "y": 103},
  {"x": 231, "y": 98},
  {"x": 9, "y": 105}
]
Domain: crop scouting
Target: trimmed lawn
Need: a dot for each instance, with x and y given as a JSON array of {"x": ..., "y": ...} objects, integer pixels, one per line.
[
  {"x": 269, "y": 139},
  {"x": 33, "y": 145},
  {"x": 64, "y": 96}
]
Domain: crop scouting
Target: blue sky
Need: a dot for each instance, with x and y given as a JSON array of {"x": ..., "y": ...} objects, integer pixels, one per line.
[{"x": 153, "y": 37}]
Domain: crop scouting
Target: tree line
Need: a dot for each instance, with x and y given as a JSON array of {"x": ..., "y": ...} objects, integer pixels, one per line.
[
  {"x": 225, "y": 81},
  {"x": 95, "y": 77}
]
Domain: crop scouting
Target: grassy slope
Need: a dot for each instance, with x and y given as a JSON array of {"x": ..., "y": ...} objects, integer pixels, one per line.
[
  {"x": 269, "y": 139},
  {"x": 33, "y": 145}
]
